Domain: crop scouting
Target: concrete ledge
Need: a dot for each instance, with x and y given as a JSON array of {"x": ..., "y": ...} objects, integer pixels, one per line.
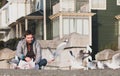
[{"x": 106, "y": 72}]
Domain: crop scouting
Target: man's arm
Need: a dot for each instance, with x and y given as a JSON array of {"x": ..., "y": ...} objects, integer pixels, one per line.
[
  {"x": 19, "y": 50},
  {"x": 38, "y": 52}
]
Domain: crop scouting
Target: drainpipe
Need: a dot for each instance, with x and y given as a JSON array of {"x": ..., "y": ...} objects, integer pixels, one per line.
[
  {"x": 60, "y": 27},
  {"x": 25, "y": 7},
  {"x": 17, "y": 26},
  {"x": 17, "y": 30},
  {"x": 26, "y": 21},
  {"x": 44, "y": 7}
]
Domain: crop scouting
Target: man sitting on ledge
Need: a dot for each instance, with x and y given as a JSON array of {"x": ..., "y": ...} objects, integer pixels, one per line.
[{"x": 29, "y": 49}]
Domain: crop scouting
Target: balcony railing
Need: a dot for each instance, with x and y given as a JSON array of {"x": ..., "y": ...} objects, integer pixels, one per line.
[{"x": 82, "y": 8}]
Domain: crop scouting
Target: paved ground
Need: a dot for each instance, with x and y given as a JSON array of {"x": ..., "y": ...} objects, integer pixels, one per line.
[{"x": 107, "y": 72}]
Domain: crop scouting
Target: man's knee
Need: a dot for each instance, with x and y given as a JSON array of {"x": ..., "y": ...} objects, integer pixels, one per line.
[{"x": 43, "y": 62}]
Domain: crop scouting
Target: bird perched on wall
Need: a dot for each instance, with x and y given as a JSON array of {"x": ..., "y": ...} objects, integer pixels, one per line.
[
  {"x": 100, "y": 65},
  {"x": 115, "y": 63},
  {"x": 82, "y": 61},
  {"x": 90, "y": 64},
  {"x": 74, "y": 62}
]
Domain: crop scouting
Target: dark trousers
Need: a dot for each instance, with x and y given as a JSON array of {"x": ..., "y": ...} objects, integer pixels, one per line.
[{"x": 43, "y": 62}]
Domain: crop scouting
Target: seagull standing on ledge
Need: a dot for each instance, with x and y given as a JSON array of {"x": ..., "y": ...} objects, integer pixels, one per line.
[
  {"x": 115, "y": 64},
  {"x": 74, "y": 63}
]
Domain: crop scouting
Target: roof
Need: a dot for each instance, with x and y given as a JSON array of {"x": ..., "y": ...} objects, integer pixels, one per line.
[
  {"x": 117, "y": 16},
  {"x": 4, "y": 29},
  {"x": 34, "y": 15}
]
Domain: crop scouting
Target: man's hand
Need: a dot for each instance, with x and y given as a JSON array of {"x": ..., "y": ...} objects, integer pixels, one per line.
[
  {"x": 50, "y": 61},
  {"x": 28, "y": 59}
]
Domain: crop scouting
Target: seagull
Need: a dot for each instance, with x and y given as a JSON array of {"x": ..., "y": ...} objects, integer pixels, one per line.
[
  {"x": 115, "y": 63},
  {"x": 89, "y": 50},
  {"x": 89, "y": 63},
  {"x": 75, "y": 63},
  {"x": 100, "y": 65},
  {"x": 59, "y": 48}
]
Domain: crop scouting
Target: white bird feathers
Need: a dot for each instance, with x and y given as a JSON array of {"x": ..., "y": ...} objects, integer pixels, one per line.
[
  {"x": 84, "y": 59},
  {"x": 59, "y": 49}
]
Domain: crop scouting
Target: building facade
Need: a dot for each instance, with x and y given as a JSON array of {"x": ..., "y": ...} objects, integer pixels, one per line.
[
  {"x": 20, "y": 15},
  {"x": 94, "y": 20},
  {"x": 71, "y": 16},
  {"x": 105, "y": 31}
]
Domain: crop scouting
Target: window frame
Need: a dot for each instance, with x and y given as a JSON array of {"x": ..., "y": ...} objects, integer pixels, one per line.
[{"x": 75, "y": 26}]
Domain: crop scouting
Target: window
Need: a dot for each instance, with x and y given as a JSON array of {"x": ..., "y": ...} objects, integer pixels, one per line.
[
  {"x": 98, "y": 4},
  {"x": 85, "y": 27},
  {"x": 66, "y": 25},
  {"x": 118, "y": 2},
  {"x": 82, "y": 26},
  {"x": 6, "y": 15},
  {"x": 56, "y": 28},
  {"x": 72, "y": 29},
  {"x": 82, "y": 6},
  {"x": 38, "y": 5},
  {"x": 79, "y": 25},
  {"x": 0, "y": 19},
  {"x": 119, "y": 28},
  {"x": 68, "y": 5}
]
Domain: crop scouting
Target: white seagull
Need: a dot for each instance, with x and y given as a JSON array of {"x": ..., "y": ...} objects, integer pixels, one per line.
[
  {"x": 115, "y": 63},
  {"x": 89, "y": 49},
  {"x": 90, "y": 64},
  {"x": 59, "y": 48},
  {"x": 74, "y": 63}
]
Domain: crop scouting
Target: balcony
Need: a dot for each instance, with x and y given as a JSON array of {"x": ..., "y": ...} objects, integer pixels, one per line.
[{"x": 82, "y": 7}]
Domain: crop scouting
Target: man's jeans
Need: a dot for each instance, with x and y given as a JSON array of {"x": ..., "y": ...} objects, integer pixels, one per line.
[{"x": 43, "y": 62}]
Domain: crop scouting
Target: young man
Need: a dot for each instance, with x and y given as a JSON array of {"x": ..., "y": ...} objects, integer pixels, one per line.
[{"x": 29, "y": 49}]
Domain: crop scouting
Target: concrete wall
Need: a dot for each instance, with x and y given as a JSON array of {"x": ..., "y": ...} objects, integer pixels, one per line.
[
  {"x": 106, "y": 72},
  {"x": 62, "y": 61}
]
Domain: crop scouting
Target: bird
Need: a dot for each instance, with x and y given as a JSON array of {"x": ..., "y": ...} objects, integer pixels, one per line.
[
  {"x": 89, "y": 63},
  {"x": 115, "y": 62},
  {"x": 89, "y": 49},
  {"x": 59, "y": 48},
  {"x": 100, "y": 65},
  {"x": 74, "y": 63}
]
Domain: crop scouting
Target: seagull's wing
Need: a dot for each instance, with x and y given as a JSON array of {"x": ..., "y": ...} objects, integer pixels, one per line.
[
  {"x": 89, "y": 49},
  {"x": 59, "y": 48},
  {"x": 50, "y": 50},
  {"x": 71, "y": 53}
]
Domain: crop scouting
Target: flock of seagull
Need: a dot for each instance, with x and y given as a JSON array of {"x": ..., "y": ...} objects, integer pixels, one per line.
[{"x": 84, "y": 59}]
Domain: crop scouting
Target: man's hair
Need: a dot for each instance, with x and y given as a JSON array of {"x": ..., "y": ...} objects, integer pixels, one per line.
[{"x": 27, "y": 32}]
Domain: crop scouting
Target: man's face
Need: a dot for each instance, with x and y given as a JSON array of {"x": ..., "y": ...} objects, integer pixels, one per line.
[{"x": 29, "y": 38}]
